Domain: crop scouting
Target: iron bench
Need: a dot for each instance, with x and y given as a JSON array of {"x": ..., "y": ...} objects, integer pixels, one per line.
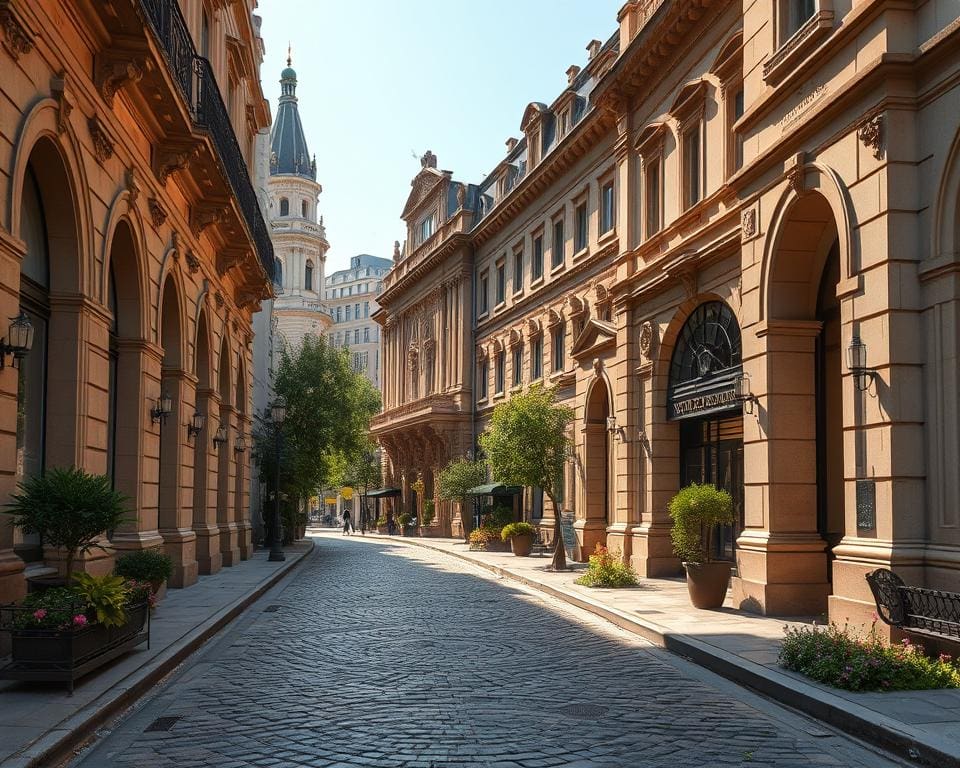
[{"x": 929, "y": 612}]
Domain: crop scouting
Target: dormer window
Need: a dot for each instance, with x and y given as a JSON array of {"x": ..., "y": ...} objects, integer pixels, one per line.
[
  {"x": 284, "y": 206},
  {"x": 425, "y": 229},
  {"x": 564, "y": 123}
]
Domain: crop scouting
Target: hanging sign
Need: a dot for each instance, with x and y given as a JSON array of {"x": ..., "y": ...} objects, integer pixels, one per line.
[{"x": 347, "y": 493}]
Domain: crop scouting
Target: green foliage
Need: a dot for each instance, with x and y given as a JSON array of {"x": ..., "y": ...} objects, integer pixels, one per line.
[
  {"x": 482, "y": 538},
  {"x": 329, "y": 407},
  {"x": 498, "y": 517},
  {"x": 381, "y": 521},
  {"x": 696, "y": 510},
  {"x": 526, "y": 444},
  {"x": 404, "y": 519},
  {"x": 516, "y": 529},
  {"x": 360, "y": 470},
  {"x": 144, "y": 565},
  {"x": 68, "y": 508},
  {"x": 105, "y": 595},
  {"x": 607, "y": 570},
  {"x": 49, "y": 609},
  {"x": 833, "y": 655},
  {"x": 429, "y": 512},
  {"x": 458, "y": 477}
]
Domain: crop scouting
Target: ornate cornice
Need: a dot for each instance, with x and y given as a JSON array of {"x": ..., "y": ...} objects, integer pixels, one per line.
[{"x": 16, "y": 39}]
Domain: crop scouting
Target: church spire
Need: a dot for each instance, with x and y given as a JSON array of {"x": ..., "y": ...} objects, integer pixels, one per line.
[{"x": 288, "y": 144}]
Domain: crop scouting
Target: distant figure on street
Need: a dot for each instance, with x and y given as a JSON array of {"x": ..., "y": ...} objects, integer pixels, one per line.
[{"x": 347, "y": 528}]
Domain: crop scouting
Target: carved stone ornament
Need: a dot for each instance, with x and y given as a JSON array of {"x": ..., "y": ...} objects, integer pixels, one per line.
[
  {"x": 228, "y": 259},
  {"x": 114, "y": 71},
  {"x": 748, "y": 222},
  {"x": 234, "y": 325},
  {"x": 796, "y": 175},
  {"x": 553, "y": 318},
  {"x": 193, "y": 263},
  {"x": 102, "y": 145},
  {"x": 533, "y": 328},
  {"x": 133, "y": 188},
  {"x": 396, "y": 250},
  {"x": 218, "y": 299},
  {"x": 429, "y": 160},
  {"x": 412, "y": 358},
  {"x": 203, "y": 216},
  {"x": 647, "y": 340},
  {"x": 576, "y": 304},
  {"x": 15, "y": 37},
  {"x": 170, "y": 158},
  {"x": 601, "y": 293},
  {"x": 58, "y": 90},
  {"x": 175, "y": 246},
  {"x": 870, "y": 134},
  {"x": 158, "y": 214},
  {"x": 461, "y": 196},
  {"x": 597, "y": 366}
]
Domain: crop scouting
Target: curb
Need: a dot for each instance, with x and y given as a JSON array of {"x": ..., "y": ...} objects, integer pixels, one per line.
[
  {"x": 55, "y": 746},
  {"x": 856, "y": 720}
]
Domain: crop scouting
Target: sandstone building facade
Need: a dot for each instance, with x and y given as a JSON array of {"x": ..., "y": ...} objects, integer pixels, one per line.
[
  {"x": 732, "y": 245},
  {"x": 132, "y": 239}
]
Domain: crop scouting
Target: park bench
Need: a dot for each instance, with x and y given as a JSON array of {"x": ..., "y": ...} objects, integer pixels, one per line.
[{"x": 929, "y": 612}]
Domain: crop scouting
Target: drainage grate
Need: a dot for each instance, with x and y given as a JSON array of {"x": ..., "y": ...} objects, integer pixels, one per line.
[
  {"x": 162, "y": 724},
  {"x": 584, "y": 711},
  {"x": 272, "y": 608}
]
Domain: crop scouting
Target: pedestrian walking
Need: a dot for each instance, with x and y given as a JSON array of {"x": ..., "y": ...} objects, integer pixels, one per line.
[{"x": 347, "y": 527}]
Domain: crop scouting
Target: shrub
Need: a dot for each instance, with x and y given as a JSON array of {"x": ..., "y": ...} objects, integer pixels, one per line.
[
  {"x": 429, "y": 512},
  {"x": 517, "y": 529},
  {"x": 497, "y": 517},
  {"x": 404, "y": 519},
  {"x": 381, "y": 521},
  {"x": 68, "y": 508},
  {"x": 106, "y": 596},
  {"x": 481, "y": 538},
  {"x": 145, "y": 565},
  {"x": 834, "y": 656},
  {"x": 607, "y": 570},
  {"x": 696, "y": 511},
  {"x": 51, "y": 609}
]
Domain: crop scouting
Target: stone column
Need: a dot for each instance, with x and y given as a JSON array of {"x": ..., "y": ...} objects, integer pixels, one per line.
[
  {"x": 226, "y": 521},
  {"x": 209, "y": 558},
  {"x": 242, "y": 492},
  {"x": 781, "y": 559}
]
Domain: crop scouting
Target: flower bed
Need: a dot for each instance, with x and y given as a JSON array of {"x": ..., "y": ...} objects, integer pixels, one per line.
[
  {"x": 606, "y": 570},
  {"x": 833, "y": 655}
]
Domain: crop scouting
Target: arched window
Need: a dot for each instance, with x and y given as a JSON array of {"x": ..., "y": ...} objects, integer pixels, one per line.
[
  {"x": 308, "y": 276},
  {"x": 303, "y": 208},
  {"x": 284, "y": 206}
]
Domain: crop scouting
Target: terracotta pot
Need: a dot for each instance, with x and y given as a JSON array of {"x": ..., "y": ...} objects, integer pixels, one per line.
[
  {"x": 707, "y": 583},
  {"x": 522, "y": 545},
  {"x": 155, "y": 585}
]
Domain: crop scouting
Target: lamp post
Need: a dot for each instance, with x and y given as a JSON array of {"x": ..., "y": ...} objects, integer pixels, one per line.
[{"x": 278, "y": 412}]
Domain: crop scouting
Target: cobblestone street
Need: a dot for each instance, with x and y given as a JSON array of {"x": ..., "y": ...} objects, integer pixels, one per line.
[{"x": 379, "y": 654}]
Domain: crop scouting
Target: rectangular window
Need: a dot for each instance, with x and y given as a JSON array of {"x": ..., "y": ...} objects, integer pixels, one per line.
[
  {"x": 356, "y": 335},
  {"x": 518, "y": 365},
  {"x": 536, "y": 358},
  {"x": 366, "y": 335},
  {"x": 559, "y": 341},
  {"x": 500, "y": 374},
  {"x": 501, "y": 282},
  {"x": 800, "y": 12},
  {"x": 536, "y": 268},
  {"x": 691, "y": 166},
  {"x": 652, "y": 192},
  {"x": 738, "y": 137},
  {"x": 482, "y": 383},
  {"x": 339, "y": 316},
  {"x": 348, "y": 313},
  {"x": 425, "y": 229},
  {"x": 356, "y": 311},
  {"x": 559, "y": 244},
  {"x": 518, "y": 270},
  {"x": 580, "y": 227},
  {"x": 607, "y": 210},
  {"x": 366, "y": 309},
  {"x": 484, "y": 298}
]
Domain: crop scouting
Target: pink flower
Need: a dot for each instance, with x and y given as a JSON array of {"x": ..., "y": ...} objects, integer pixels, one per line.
[
  {"x": 40, "y": 614},
  {"x": 79, "y": 620},
  {"x": 874, "y": 616},
  {"x": 945, "y": 657}
]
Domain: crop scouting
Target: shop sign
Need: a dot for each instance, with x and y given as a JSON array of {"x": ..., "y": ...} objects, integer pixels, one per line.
[
  {"x": 701, "y": 404},
  {"x": 346, "y": 492}
]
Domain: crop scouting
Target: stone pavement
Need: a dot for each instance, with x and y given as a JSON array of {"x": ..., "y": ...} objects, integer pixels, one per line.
[
  {"x": 39, "y": 721},
  {"x": 378, "y": 654},
  {"x": 922, "y": 725}
]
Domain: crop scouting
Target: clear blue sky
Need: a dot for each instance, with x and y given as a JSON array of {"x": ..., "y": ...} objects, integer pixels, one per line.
[{"x": 382, "y": 81}]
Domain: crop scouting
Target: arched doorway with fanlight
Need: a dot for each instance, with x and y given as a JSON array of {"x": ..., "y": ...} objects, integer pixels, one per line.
[{"x": 702, "y": 399}]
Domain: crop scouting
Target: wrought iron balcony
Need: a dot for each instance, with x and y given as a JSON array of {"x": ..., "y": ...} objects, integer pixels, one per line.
[{"x": 197, "y": 84}]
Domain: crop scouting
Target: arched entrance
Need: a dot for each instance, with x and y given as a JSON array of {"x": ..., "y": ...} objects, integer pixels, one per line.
[
  {"x": 795, "y": 475},
  {"x": 597, "y": 467},
  {"x": 701, "y": 397}
]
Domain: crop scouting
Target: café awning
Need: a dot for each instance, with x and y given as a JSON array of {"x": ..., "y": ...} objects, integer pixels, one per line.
[
  {"x": 382, "y": 493},
  {"x": 495, "y": 489}
]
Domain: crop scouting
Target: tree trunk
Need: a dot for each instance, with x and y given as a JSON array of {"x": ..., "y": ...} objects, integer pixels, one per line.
[
  {"x": 466, "y": 521},
  {"x": 71, "y": 555},
  {"x": 559, "y": 562}
]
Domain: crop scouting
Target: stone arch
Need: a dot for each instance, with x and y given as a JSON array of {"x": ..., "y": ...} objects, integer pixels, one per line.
[
  {"x": 127, "y": 268},
  {"x": 597, "y": 486},
  {"x": 41, "y": 140},
  {"x": 123, "y": 212},
  {"x": 946, "y": 222},
  {"x": 204, "y": 456}
]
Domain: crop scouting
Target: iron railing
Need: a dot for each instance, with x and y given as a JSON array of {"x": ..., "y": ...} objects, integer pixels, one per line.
[{"x": 198, "y": 86}]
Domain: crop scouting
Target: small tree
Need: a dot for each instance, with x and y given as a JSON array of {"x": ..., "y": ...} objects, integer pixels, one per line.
[
  {"x": 69, "y": 509},
  {"x": 526, "y": 444},
  {"x": 696, "y": 511},
  {"x": 455, "y": 480}
]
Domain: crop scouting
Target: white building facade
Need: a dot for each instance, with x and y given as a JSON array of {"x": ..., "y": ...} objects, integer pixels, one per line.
[{"x": 351, "y": 299}]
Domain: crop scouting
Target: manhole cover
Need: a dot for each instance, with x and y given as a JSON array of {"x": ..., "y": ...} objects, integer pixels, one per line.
[
  {"x": 272, "y": 608},
  {"x": 162, "y": 724},
  {"x": 584, "y": 711}
]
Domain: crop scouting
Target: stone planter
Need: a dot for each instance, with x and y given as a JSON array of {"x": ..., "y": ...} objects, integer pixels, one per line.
[
  {"x": 67, "y": 655},
  {"x": 522, "y": 545},
  {"x": 707, "y": 583}
]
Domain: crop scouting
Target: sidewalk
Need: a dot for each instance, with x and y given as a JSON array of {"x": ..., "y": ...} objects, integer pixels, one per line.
[
  {"x": 39, "y": 723},
  {"x": 922, "y": 726}
]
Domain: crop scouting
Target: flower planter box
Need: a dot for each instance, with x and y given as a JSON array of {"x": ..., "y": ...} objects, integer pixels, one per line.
[{"x": 53, "y": 655}]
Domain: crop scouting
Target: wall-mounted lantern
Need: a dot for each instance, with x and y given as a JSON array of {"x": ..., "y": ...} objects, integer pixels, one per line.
[
  {"x": 857, "y": 363},
  {"x": 18, "y": 341},
  {"x": 220, "y": 437},
  {"x": 195, "y": 427},
  {"x": 239, "y": 445},
  {"x": 162, "y": 409},
  {"x": 744, "y": 394}
]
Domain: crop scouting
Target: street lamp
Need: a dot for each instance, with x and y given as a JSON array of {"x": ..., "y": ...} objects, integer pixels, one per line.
[
  {"x": 195, "y": 427},
  {"x": 162, "y": 409},
  {"x": 278, "y": 412},
  {"x": 857, "y": 363},
  {"x": 19, "y": 339}
]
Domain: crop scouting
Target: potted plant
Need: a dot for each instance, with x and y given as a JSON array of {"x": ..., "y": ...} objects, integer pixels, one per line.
[
  {"x": 697, "y": 510},
  {"x": 520, "y": 536},
  {"x": 403, "y": 519},
  {"x": 62, "y": 633},
  {"x": 429, "y": 513},
  {"x": 69, "y": 509},
  {"x": 382, "y": 524},
  {"x": 149, "y": 565}
]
